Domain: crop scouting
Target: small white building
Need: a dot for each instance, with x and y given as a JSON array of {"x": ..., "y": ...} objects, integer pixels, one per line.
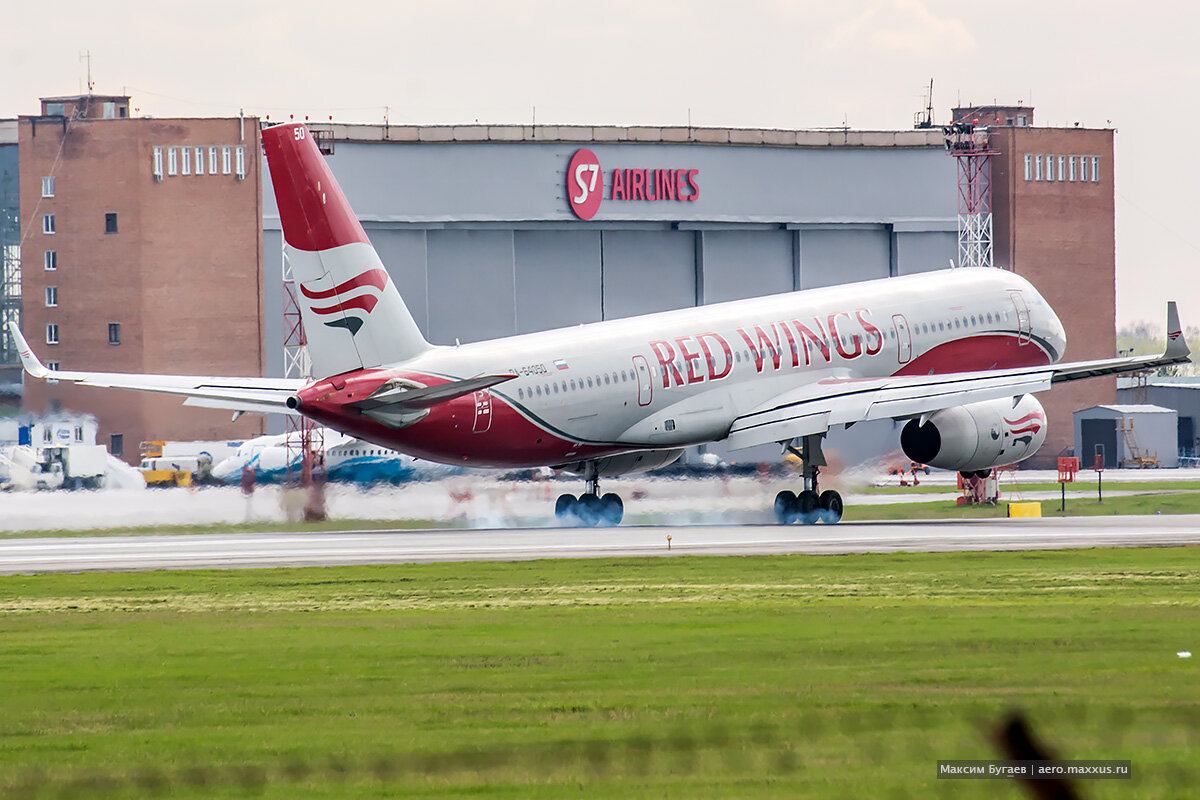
[{"x": 1127, "y": 436}]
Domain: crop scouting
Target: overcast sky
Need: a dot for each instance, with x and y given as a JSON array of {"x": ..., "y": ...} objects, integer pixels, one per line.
[{"x": 754, "y": 63}]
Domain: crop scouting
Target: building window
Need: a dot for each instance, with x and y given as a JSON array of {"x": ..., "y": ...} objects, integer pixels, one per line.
[
  {"x": 52, "y": 366},
  {"x": 52, "y": 333},
  {"x": 1071, "y": 164},
  {"x": 114, "y": 333},
  {"x": 48, "y": 187},
  {"x": 1062, "y": 168},
  {"x": 110, "y": 110},
  {"x": 212, "y": 161},
  {"x": 110, "y": 222},
  {"x": 1095, "y": 168},
  {"x": 226, "y": 160},
  {"x": 50, "y": 260},
  {"x": 1083, "y": 162},
  {"x": 78, "y": 433},
  {"x": 199, "y": 160},
  {"x": 1028, "y": 167},
  {"x": 1037, "y": 160},
  {"x": 51, "y": 297},
  {"x": 47, "y": 434},
  {"x": 116, "y": 444},
  {"x": 241, "y": 163},
  {"x": 55, "y": 109},
  {"x": 1021, "y": 121},
  {"x": 187, "y": 161},
  {"x": 172, "y": 161},
  {"x": 158, "y": 164},
  {"x": 47, "y": 223}
]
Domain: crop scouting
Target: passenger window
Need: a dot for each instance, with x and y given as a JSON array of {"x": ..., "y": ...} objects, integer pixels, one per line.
[{"x": 539, "y": 390}]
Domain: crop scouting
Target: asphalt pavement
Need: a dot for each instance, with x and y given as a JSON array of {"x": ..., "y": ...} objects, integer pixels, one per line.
[{"x": 244, "y": 550}]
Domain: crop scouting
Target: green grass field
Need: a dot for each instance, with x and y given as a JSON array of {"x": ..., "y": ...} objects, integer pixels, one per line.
[
  {"x": 1176, "y": 503},
  {"x": 835, "y": 676},
  {"x": 1082, "y": 485}
]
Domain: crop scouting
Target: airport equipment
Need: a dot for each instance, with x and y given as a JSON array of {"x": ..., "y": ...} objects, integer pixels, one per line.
[
  {"x": 1067, "y": 467},
  {"x": 74, "y": 466},
  {"x": 968, "y": 143},
  {"x": 1029, "y": 508}
]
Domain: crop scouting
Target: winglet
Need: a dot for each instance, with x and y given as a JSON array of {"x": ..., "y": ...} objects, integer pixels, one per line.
[
  {"x": 1176, "y": 345},
  {"x": 28, "y": 360}
]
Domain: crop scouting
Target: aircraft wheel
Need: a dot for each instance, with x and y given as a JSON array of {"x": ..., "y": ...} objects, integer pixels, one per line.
[
  {"x": 982, "y": 473},
  {"x": 612, "y": 510},
  {"x": 808, "y": 507},
  {"x": 831, "y": 506},
  {"x": 565, "y": 507},
  {"x": 589, "y": 509},
  {"x": 785, "y": 507}
]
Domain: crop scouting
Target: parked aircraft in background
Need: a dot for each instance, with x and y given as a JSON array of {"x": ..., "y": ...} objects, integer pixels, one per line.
[
  {"x": 346, "y": 460},
  {"x": 958, "y": 354}
]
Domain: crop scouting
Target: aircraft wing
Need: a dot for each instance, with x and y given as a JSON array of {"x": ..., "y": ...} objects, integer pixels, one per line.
[
  {"x": 815, "y": 408},
  {"x": 266, "y": 395}
]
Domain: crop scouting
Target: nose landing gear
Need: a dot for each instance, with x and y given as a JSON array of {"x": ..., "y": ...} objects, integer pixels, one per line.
[
  {"x": 590, "y": 508},
  {"x": 810, "y": 505}
]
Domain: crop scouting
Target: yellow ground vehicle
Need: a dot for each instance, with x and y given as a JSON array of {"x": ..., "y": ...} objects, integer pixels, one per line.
[{"x": 175, "y": 471}]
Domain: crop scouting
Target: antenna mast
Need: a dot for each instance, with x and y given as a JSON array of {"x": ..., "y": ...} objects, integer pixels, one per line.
[
  {"x": 924, "y": 119},
  {"x": 88, "y": 56}
]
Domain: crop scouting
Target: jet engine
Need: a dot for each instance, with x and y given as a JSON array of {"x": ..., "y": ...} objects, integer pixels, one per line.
[
  {"x": 979, "y": 436},
  {"x": 625, "y": 463}
]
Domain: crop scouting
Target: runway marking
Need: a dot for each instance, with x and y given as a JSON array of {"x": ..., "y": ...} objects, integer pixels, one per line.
[{"x": 196, "y": 551}]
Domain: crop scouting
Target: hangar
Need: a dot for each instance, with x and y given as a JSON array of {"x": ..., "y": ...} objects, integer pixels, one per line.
[{"x": 491, "y": 230}]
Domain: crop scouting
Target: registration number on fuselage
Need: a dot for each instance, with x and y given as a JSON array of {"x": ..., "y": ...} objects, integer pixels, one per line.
[{"x": 531, "y": 369}]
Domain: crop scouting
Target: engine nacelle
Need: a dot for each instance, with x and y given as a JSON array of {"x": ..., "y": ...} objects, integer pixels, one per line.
[
  {"x": 978, "y": 436},
  {"x": 626, "y": 463}
]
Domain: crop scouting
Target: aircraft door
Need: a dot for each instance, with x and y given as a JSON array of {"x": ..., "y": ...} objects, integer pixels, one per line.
[
  {"x": 483, "y": 412},
  {"x": 645, "y": 387},
  {"x": 903, "y": 339},
  {"x": 1024, "y": 326}
]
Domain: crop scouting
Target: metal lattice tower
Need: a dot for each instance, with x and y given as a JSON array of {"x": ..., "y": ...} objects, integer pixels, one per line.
[
  {"x": 969, "y": 146},
  {"x": 304, "y": 438},
  {"x": 10, "y": 260}
]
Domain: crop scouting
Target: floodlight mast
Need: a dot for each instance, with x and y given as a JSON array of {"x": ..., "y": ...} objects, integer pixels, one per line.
[{"x": 968, "y": 143}]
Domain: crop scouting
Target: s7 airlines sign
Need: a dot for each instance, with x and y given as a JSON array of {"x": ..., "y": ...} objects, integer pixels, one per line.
[
  {"x": 769, "y": 346},
  {"x": 586, "y": 184}
]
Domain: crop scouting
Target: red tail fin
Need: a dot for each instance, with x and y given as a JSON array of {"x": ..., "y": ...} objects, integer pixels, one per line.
[{"x": 312, "y": 208}]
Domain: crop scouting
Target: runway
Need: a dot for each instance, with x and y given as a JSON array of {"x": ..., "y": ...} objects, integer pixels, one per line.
[{"x": 227, "y": 551}]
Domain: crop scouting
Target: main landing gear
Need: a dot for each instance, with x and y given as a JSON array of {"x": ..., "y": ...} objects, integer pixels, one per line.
[
  {"x": 590, "y": 508},
  {"x": 810, "y": 505}
]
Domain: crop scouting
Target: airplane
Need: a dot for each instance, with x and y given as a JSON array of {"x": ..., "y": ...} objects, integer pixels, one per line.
[
  {"x": 346, "y": 460},
  {"x": 956, "y": 354}
]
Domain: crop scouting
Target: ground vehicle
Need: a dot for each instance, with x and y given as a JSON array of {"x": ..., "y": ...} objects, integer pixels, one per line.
[{"x": 75, "y": 466}]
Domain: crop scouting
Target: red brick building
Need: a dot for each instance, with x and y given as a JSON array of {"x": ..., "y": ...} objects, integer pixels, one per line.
[
  {"x": 1054, "y": 223},
  {"x": 143, "y": 254}
]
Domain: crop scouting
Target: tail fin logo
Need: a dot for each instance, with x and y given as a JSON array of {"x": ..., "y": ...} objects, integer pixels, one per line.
[{"x": 360, "y": 293}]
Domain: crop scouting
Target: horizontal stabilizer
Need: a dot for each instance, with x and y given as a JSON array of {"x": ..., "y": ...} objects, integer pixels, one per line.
[
  {"x": 265, "y": 395},
  {"x": 429, "y": 396}
]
